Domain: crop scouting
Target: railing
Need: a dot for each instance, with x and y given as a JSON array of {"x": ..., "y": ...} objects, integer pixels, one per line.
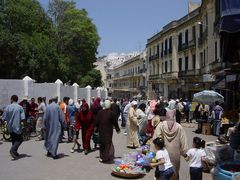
[
  {"x": 154, "y": 76},
  {"x": 192, "y": 72},
  {"x": 153, "y": 57}
]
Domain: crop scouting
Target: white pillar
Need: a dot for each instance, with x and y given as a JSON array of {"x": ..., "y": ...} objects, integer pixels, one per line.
[
  {"x": 59, "y": 84},
  {"x": 98, "y": 92},
  {"x": 75, "y": 93},
  {"x": 106, "y": 93},
  {"x": 26, "y": 81},
  {"x": 165, "y": 90},
  {"x": 89, "y": 92}
]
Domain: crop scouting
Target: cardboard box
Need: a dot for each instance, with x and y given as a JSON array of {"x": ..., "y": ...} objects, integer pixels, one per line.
[{"x": 206, "y": 129}]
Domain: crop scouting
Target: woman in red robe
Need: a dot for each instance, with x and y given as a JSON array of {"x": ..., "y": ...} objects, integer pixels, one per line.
[{"x": 85, "y": 117}]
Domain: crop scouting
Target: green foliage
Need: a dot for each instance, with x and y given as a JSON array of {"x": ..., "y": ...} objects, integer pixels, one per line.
[
  {"x": 62, "y": 45},
  {"x": 92, "y": 78}
]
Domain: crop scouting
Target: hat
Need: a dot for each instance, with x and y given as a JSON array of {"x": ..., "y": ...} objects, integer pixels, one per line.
[
  {"x": 70, "y": 102},
  {"x": 107, "y": 104},
  {"x": 134, "y": 103},
  {"x": 25, "y": 97}
]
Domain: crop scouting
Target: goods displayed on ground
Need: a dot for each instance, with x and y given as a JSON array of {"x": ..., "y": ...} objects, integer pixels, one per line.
[{"x": 134, "y": 164}]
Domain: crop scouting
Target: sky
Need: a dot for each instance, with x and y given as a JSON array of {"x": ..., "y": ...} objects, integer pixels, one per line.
[{"x": 125, "y": 25}]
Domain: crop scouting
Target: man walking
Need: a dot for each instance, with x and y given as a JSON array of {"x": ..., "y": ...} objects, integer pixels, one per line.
[
  {"x": 14, "y": 114},
  {"x": 54, "y": 122}
]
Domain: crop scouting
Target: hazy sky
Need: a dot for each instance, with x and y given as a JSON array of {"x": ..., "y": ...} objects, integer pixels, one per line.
[{"x": 125, "y": 25}]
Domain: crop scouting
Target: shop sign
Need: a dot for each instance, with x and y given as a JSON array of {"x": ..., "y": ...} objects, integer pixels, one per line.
[
  {"x": 230, "y": 78},
  {"x": 209, "y": 78}
]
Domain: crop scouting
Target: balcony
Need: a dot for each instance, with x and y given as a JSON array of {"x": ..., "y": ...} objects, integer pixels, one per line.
[
  {"x": 154, "y": 76},
  {"x": 203, "y": 38},
  {"x": 142, "y": 88},
  {"x": 192, "y": 43},
  {"x": 153, "y": 57},
  {"x": 168, "y": 75},
  {"x": 192, "y": 72}
]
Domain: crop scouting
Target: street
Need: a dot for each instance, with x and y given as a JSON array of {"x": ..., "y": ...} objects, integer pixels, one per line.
[{"x": 35, "y": 165}]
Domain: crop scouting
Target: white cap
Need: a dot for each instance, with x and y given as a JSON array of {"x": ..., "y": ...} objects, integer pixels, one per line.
[
  {"x": 70, "y": 102},
  {"x": 107, "y": 104},
  {"x": 134, "y": 103}
]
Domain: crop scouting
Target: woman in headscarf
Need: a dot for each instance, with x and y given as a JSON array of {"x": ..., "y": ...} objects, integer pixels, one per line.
[
  {"x": 96, "y": 107},
  {"x": 142, "y": 121},
  {"x": 85, "y": 117},
  {"x": 105, "y": 121},
  {"x": 132, "y": 126},
  {"x": 174, "y": 137}
]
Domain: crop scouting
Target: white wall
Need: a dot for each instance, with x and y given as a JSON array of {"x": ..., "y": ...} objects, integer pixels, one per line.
[{"x": 21, "y": 88}]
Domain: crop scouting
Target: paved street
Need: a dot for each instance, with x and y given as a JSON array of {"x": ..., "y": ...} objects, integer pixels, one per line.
[{"x": 35, "y": 165}]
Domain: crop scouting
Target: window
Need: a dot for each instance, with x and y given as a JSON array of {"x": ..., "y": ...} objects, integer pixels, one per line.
[
  {"x": 204, "y": 57},
  {"x": 180, "y": 39},
  {"x": 170, "y": 65},
  {"x": 216, "y": 51},
  {"x": 162, "y": 68},
  {"x": 194, "y": 33},
  {"x": 180, "y": 64},
  {"x": 200, "y": 30},
  {"x": 170, "y": 45},
  {"x": 186, "y": 63},
  {"x": 194, "y": 61},
  {"x": 186, "y": 36},
  {"x": 201, "y": 59},
  {"x": 166, "y": 66},
  {"x": 158, "y": 49}
]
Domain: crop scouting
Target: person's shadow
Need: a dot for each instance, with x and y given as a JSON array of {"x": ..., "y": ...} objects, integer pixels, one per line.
[{"x": 22, "y": 156}]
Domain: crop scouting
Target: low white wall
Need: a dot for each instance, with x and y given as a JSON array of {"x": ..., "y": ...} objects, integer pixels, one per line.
[{"x": 21, "y": 88}]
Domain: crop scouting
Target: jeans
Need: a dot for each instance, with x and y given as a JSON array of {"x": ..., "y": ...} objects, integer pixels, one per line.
[
  {"x": 17, "y": 140},
  {"x": 216, "y": 127},
  {"x": 164, "y": 175},
  {"x": 195, "y": 173}
]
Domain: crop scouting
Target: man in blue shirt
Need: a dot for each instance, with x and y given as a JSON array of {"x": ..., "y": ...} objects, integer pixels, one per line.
[{"x": 14, "y": 114}]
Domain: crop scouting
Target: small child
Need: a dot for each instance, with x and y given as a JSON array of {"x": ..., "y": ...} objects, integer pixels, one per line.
[
  {"x": 164, "y": 167},
  {"x": 196, "y": 157}
]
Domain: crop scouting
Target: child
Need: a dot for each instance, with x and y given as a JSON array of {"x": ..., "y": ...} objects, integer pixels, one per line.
[
  {"x": 196, "y": 157},
  {"x": 164, "y": 167}
]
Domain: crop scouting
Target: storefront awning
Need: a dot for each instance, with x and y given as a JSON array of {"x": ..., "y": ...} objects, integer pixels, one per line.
[{"x": 230, "y": 16}]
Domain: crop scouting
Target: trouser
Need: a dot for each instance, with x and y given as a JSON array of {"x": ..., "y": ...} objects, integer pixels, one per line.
[
  {"x": 70, "y": 133},
  {"x": 17, "y": 140},
  {"x": 216, "y": 127},
  {"x": 39, "y": 128},
  {"x": 195, "y": 173},
  {"x": 124, "y": 119},
  {"x": 164, "y": 175}
]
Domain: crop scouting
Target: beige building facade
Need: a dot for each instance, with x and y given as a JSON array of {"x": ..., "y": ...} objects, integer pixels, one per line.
[
  {"x": 129, "y": 78},
  {"x": 183, "y": 57}
]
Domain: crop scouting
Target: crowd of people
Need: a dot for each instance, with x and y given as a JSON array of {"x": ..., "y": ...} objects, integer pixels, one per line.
[{"x": 156, "y": 123}]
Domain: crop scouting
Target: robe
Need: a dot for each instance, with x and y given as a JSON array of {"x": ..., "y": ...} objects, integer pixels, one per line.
[
  {"x": 54, "y": 121},
  {"x": 132, "y": 126},
  {"x": 105, "y": 121},
  {"x": 86, "y": 121},
  {"x": 175, "y": 140}
]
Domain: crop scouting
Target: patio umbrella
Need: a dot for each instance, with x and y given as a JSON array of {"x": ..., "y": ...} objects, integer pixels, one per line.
[{"x": 208, "y": 97}]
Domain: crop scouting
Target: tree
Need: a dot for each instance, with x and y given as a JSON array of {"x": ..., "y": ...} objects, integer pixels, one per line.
[
  {"x": 77, "y": 37},
  {"x": 92, "y": 78}
]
